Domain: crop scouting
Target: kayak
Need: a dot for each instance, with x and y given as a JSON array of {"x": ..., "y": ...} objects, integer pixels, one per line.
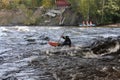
[
  {"x": 52, "y": 43},
  {"x": 55, "y": 44}
]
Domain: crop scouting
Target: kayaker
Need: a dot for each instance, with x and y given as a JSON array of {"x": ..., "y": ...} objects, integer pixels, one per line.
[{"x": 67, "y": 41}]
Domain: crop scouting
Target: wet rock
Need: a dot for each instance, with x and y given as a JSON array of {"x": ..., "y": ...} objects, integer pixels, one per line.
[
  {"x": 34, "y": 63},
  {"x": 44, "y": 37},
  {"x": 30, "y": 40},
  {"x": 107, "y": 45},
  {"x": 43, "y": 43},
  {"x": 1, "y": 59}
]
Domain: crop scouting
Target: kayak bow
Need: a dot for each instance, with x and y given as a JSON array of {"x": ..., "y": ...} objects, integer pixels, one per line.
[{"x": 52, "y": 43}]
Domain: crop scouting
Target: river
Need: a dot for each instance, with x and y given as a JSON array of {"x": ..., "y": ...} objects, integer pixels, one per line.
[{"x": 20, "y": 45}]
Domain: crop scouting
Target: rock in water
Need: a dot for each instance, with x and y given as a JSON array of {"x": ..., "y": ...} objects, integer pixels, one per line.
[{"x": 105, "y": 46}]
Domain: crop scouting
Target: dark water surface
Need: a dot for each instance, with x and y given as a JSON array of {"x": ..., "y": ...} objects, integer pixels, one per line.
[{"x": 19, "y": 46}]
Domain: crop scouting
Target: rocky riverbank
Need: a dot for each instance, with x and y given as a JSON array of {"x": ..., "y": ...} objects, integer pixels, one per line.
[{"x": 39, "y": 16}]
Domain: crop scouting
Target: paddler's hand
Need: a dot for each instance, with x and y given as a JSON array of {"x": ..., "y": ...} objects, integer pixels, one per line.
[
  {"x": 59, "y": 44},
  {"x": 62, "y": 36}
]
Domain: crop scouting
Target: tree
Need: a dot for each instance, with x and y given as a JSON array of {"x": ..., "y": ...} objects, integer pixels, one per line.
[
  {"x": 47, "y": 3},
  {"x": 112, "y": 9},
  {"x": 5, "y": 3}
]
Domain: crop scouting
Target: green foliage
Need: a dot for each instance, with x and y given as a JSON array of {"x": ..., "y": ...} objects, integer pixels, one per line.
[
  {"x": 101, "y": 11},
  {"x": 110, "y": 10},
  {"x": 47, "y": 3}
]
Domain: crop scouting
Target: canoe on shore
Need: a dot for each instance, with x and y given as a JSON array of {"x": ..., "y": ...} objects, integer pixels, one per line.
[{"x": 81, "y": 25}]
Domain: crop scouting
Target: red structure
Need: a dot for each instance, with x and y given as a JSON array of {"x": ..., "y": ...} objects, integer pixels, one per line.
[{"x": 62, "y": 3}]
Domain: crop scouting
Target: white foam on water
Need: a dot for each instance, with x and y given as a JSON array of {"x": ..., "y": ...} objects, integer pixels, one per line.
[
  {"x": 90, "y": 55},
  {"x": 22, "y": 28},
  {"x": 116, "y": 48},
  {"x": 2, "y": 29},
  {"x": 108, "y": 35},
  {"x": 54, "y": 27},
  {"x": 29, "y": 59},
  {"x": 24, "y": 74}
]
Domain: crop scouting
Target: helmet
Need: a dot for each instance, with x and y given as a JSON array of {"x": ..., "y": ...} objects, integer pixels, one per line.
[{"x": 67, "y": 36}]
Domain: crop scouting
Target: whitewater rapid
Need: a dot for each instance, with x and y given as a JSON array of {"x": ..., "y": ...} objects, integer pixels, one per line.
[{"x": 17, "y": 51}]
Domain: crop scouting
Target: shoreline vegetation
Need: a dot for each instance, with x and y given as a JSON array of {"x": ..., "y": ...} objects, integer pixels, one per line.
[
  {"x": 49, "y": 13},
  {"x": 105, "y": 25}
]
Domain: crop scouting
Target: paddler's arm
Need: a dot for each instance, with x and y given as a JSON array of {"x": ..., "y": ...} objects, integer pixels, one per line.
[{"x": 63, "y": 37}]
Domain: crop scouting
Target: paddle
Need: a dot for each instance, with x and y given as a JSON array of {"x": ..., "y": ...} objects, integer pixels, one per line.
[
  {"x": 60, "y": 36},
  {"x": 52, "y": 43}
]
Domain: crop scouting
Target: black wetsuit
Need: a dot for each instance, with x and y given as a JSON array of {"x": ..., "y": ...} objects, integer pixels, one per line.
[{"x": 67, "y": 41}]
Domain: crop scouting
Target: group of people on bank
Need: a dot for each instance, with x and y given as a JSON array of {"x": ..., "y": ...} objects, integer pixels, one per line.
[{"x": 87, "y": 23}]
